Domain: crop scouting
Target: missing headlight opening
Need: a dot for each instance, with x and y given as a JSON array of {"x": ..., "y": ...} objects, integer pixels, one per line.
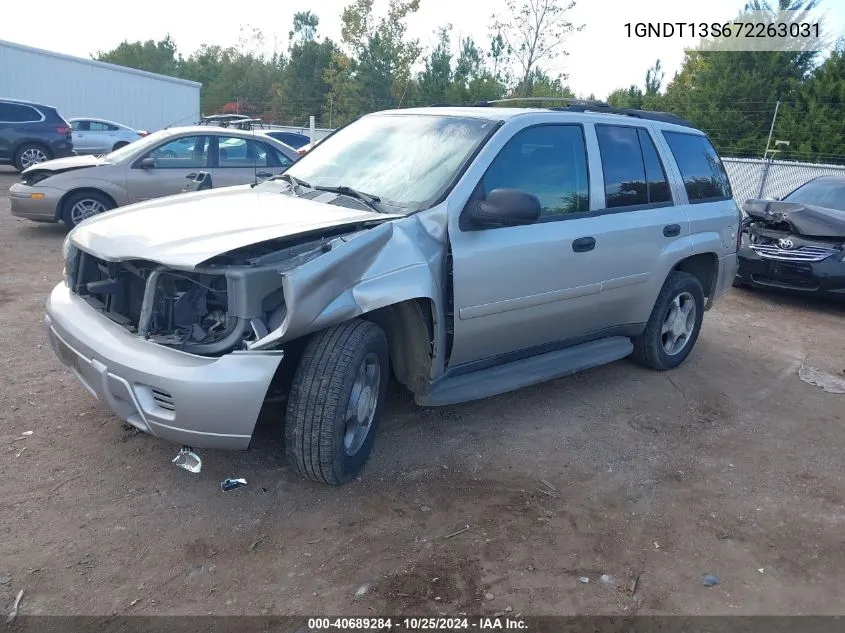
[{"x": 209, "y": 311}]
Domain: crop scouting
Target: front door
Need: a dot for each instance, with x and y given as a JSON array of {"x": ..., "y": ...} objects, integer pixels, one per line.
[
  {"x": 522, "y": 287},
  {"x": 166, "y": 174}
]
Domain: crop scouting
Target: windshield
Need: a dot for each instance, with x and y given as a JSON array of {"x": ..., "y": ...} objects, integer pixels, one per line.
[
  {"x": 133, "y": 148},
  {"x": 407, "y": 161},
  {"x": 821, "y": 193}
]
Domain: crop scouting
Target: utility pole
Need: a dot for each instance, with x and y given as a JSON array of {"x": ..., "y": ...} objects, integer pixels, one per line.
[
  {"x": 771, "y": 129},
  {"x": 331, "y": 107}
]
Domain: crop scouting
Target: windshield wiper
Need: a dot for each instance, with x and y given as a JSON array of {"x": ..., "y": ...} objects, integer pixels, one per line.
[
  {"x": 294, "y": 181},
  {"x": 367, "y": 198}
]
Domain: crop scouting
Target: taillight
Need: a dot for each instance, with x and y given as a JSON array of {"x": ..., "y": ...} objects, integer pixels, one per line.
[{"x": 63, "y": 130}]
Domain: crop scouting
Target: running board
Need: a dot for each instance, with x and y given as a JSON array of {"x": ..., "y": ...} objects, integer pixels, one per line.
[{"x": 526, "y": 371}]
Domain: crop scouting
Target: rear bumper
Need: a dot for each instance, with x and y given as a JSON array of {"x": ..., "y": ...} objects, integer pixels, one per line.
[
  {"x": 186, "y": 399},
  {"x": 24, "y": 205},
  {"x": 826, "y": 277}
]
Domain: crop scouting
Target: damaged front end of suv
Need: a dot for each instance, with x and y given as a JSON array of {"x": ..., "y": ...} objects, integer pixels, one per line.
[
  {"x": 184, "y": 341},
  {"x": 793, "y": 246}
]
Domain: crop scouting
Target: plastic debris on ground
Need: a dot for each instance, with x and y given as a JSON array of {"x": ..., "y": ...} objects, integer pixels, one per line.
[
  {"x": 607, "y": 579},
  {"x": 188, "y": 460},
  {"x": 820, "y": 378},
  {"x": 230, "y": 484},
  {"x": 584, "y": 579},
  {"x": 363, "y": 589},
  {"x": 708, "y": 580},
  {"x": 13, "y": 613}
]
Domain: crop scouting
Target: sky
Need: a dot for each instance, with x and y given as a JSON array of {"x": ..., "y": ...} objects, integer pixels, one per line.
[{"x": 601, "y": 57}]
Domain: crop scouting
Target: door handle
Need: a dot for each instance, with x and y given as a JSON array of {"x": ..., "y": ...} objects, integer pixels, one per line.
[
  {"x": 583, "y": 244},
  {"x": 672, "y": 230},
  {"x": 263, "y": 174}
]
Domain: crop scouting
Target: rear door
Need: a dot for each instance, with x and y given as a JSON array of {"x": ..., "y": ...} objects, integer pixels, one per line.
[
  {"x": 174, "y": 161},
  {"x": 82, "y": 136},
  {"x": 640, "y": 226},
  {"x": 102, "y": 137},
  {"x": 241, "y": 161},
  {"x": 6, "y": 132}
]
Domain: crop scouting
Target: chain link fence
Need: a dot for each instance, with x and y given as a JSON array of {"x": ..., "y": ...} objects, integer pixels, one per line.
[{"x": 758, "y": 178}]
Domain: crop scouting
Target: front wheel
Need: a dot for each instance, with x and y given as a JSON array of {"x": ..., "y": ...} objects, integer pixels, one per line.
[
  {"x": 336, "y": 400},
  {"x": 82, "y": 205},
  {"x": 674, "y": 324}
]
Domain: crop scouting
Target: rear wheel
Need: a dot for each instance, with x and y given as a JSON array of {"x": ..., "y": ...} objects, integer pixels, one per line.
[
  {"x": 82, "y": 205},
  {"x": 119, "y": 144},
  {"x": 31, "y": 154},
  {"x": 674, "y": 324},
  {"x": 335, "y": 401}
]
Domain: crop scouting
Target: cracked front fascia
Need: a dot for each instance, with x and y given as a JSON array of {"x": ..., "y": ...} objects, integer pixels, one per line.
[{"x": 396, "y": 261}]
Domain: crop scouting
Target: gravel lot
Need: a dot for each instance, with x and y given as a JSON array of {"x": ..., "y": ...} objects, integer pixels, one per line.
[{"x": 729, "y": 465}]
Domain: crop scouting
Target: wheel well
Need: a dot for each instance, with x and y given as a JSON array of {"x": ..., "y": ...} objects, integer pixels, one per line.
[
  {"x": 60, "y": 207},
  {"x": 704, "y": 266},
  {"x": 409, "y": 327},
  {"x": 120, "y": 144}
]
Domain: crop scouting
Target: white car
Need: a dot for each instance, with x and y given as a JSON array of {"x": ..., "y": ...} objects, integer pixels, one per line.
[{"x": 98, "y": 136}]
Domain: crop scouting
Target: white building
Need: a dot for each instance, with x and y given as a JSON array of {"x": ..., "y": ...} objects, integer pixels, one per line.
[{"x": 79, "y": 87}]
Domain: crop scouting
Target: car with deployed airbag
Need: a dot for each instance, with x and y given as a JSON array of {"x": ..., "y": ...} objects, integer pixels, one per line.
[{"x": 467, "y": 252}]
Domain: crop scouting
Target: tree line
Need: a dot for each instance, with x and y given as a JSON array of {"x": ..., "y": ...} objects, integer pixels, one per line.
[{"x": 375, "y": 65}]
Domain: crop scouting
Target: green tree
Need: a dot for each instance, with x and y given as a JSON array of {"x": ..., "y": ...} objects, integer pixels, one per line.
[
  {"x": 436, "y": 78},
  {"x": 535, "y": 32},
  {"x": 304, "y": 26},
  {"x": 472, "y": 81},
  {"x": 814, "y": 124},
  {"x": 155, "y": 57}
]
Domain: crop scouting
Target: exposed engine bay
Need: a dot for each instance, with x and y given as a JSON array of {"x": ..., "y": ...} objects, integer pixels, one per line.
[
  {"x": 221, "y": 306},
  {"x": 793, "y": 232}
]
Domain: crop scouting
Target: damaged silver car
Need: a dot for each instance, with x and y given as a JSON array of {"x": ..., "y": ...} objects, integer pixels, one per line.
[{"x": 466, "y": 251}]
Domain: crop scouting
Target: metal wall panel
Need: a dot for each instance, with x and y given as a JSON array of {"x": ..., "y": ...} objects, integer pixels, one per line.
[{"x": 86, "y": 88}]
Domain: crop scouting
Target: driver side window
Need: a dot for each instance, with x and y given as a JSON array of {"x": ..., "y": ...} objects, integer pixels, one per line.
[{"x": 547, "y": 161}]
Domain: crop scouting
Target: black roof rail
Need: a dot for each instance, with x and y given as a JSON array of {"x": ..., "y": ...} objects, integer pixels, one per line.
[
  {"x": 568, "y": 100},
  {"x": 648, "y": 115}
]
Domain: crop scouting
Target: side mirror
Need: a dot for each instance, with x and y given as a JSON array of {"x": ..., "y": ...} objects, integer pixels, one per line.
[
  {"x": 503, "y": 207},
  {"x": 147, "y": 163}
]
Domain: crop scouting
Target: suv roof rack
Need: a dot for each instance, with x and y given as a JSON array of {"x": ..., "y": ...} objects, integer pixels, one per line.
[
  {"x": 590, "y": 105},
  {"x": 223, "y": 120}
]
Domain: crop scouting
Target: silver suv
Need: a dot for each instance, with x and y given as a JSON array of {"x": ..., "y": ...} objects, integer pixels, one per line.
[{"x": 471, "y": 251}]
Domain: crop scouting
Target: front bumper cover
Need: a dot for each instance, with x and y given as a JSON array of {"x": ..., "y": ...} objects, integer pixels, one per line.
[
  {"x": 826, "y": 277},
  {"x": 187, "y": 399},
  {"x": 43, "y": 209}
]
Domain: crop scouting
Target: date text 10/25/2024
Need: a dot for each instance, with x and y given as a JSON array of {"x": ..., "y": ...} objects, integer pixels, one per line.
[{"x": 491, "y": 623}]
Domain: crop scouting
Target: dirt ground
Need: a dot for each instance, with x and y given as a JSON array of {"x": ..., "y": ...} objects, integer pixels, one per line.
[{"x": 729, "y": 465}]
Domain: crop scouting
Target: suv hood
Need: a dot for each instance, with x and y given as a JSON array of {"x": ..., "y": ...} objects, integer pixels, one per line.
[
  {"x": 65, "y": 164},
  {"x": 185, "y": 230}
]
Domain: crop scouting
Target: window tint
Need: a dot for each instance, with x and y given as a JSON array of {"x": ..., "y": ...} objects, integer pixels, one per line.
[
  {"x": 291, "y": 138},
  {"x": 548, "y": 161},
  {"x": 704, "y": 175},
  {"x": 187, "y": 152},
  {"x": 622, "y": 163},
  {"x": 274, "y": 157},
  {"x": 18, "y": 113},
  {"x": 234, "y": 151},
  {"x": 97, "y": 126},
  {"x": 76, "y": 125},
  {"x": 822, "y": 192},
  {"x": 658, "y": 184}
]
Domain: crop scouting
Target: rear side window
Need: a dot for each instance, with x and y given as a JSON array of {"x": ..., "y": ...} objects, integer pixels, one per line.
[
  {"x": 701, "y": 168},
  {"x": 548, "y": 161},
  {"x": 633, "y": 174},
  {"x": 18, "y": 113}
]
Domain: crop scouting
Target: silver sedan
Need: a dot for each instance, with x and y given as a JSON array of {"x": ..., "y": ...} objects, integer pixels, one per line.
[
  {"x": 161, "y": 164},
  {"x": 98, "y": 136}
]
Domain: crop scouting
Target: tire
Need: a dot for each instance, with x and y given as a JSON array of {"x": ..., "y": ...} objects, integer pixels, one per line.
[
  {"x": 81, "y": 205},
  {"x": 335, "y": 372},
  {"x": 118, "y": 145},
  {"x": 31, "y": 153},
  {"x": 653, "y": 348}
]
